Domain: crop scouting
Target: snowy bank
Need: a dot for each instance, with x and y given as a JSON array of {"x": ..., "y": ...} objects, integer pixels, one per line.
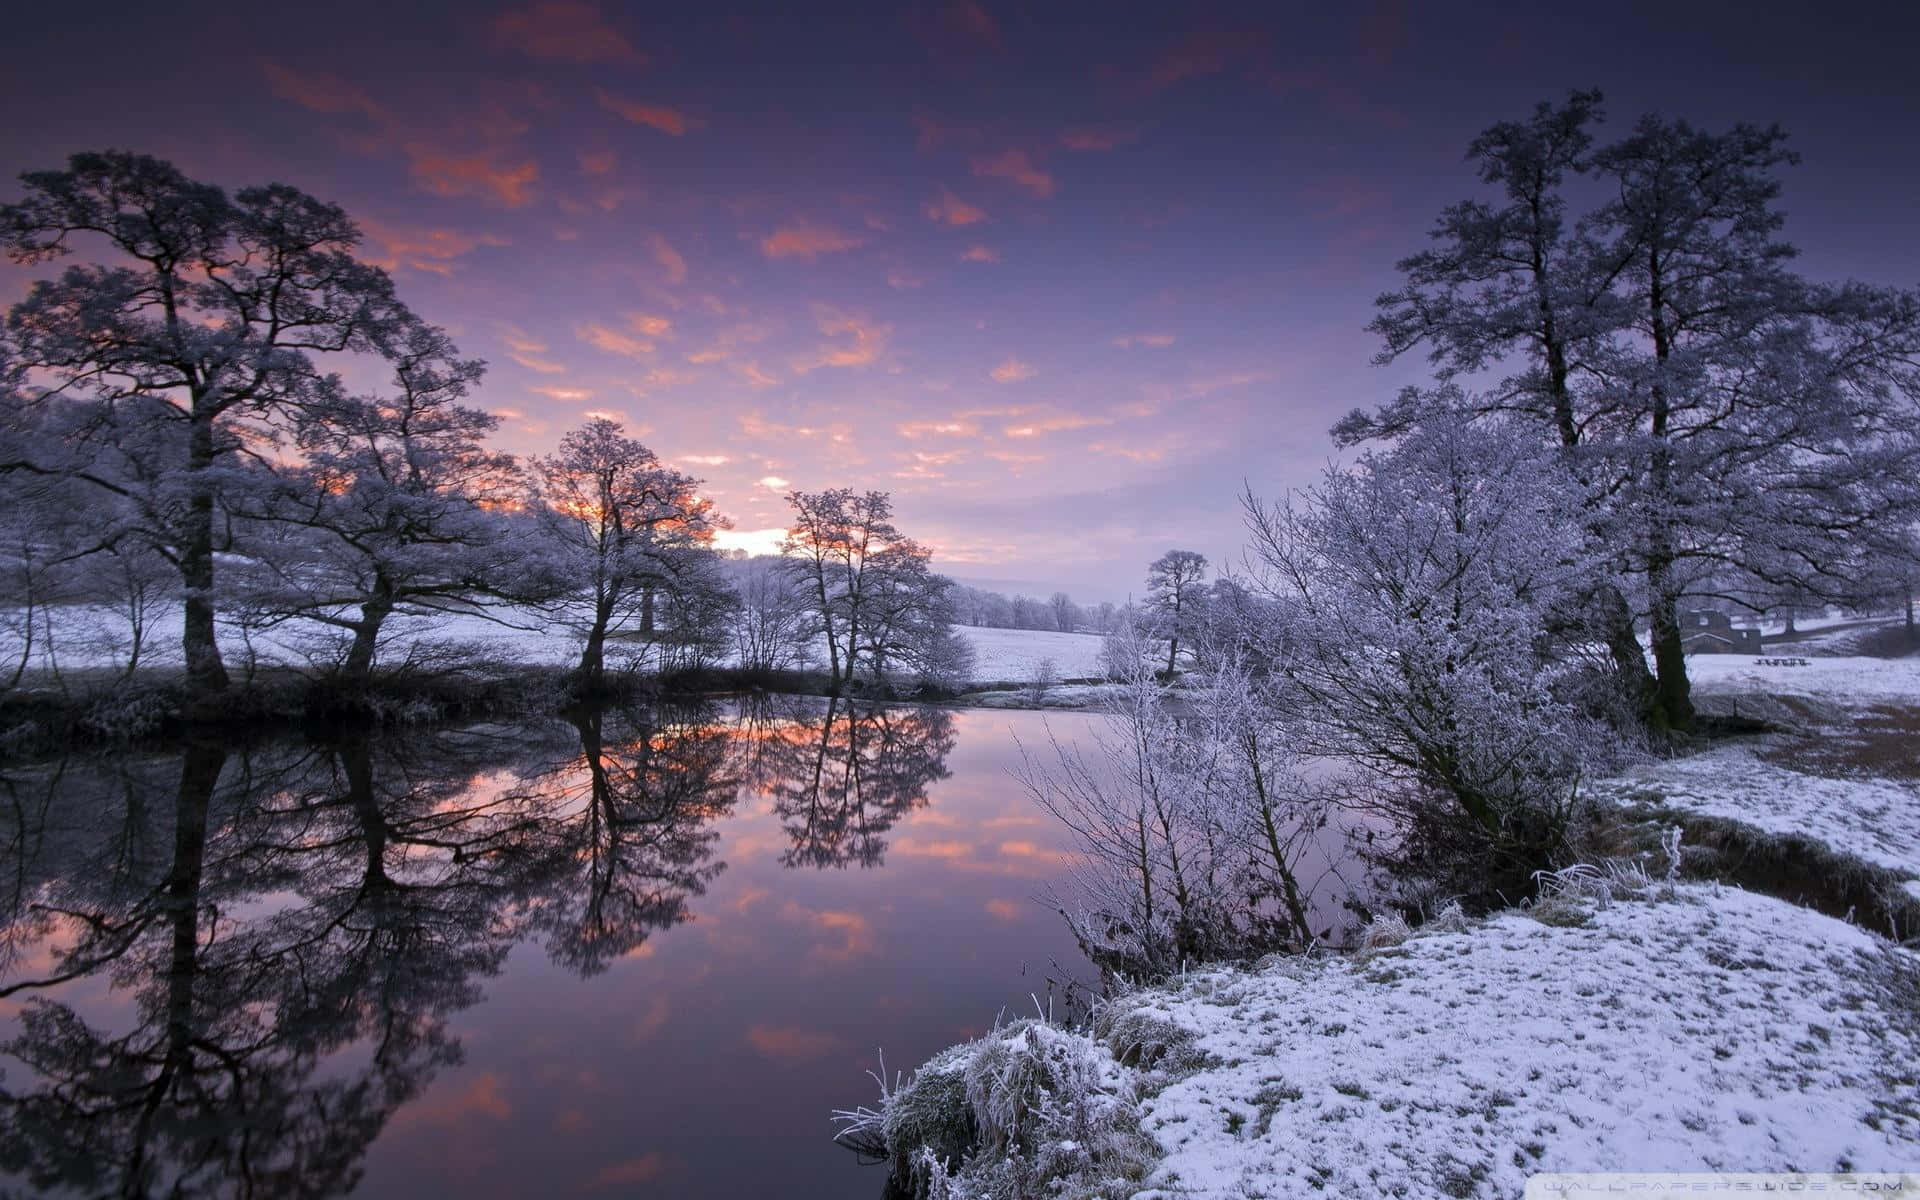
[
  {"x": 1721, "y": 1030},
  {"x": 1713, "y": 1030}
]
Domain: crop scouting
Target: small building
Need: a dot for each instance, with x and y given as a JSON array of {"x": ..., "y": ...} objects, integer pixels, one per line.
[{"x": 1706, "y": 632}]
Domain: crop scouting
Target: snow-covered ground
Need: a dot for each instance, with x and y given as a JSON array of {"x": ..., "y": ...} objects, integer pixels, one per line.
[
  {"x": 87, "y": 636},
  {"x": 1870, "y": 817},
  {"x": 1717, "y": 1031},
  {"x": 1845, "y": 680},
  {"x": 1013, "y": 655}
]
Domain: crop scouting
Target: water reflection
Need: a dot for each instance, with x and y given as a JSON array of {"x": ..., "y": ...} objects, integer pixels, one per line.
[{"x": 222, "y": 971}]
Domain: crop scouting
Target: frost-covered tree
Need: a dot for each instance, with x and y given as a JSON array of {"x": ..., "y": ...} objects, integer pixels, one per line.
[
  {"x": 1732, "y": 419},
  {"x": 395, "y": 508},
  {"x": 1413, "y": 595},
  {"x": 197, "y": 336},
  {"x": 628, "y": 528},
  {"x": 770, "y": 618},
  {"x": 1174, "y": 583},
  {"x": 873, "y": 599}
]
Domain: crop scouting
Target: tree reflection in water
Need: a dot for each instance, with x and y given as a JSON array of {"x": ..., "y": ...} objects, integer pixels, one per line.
[
  {"x": 842, "y": 775},
  {"x": 288, "y": 929}
]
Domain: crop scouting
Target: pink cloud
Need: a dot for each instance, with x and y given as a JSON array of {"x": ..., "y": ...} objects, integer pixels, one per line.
[
  {"x": 657, "y": 116},
  {"x": 599, "y": 162},
  {"x": 1090, "y": 140},
  {"x": 804, "y": 239},
  {"x": 320, "y": 92},
  {"x": 527, "y": 352},
  {"x": 792, "y": 1045},
  {"x": 949, "y": 209},
  {"x": 430, "y": 250},
  {"x": 669, "y": 258},
  {"x": 864, "y": 341},
  {"x": 1013, "y": 371},
  {"x": 613, "y": 341},
  {"x": 447, "y": 174},
  {"x": 981, "y": 254},
  {"x": 564, "y": 31},
  {"x": 1016, "y": 167},
  {"x": 1155, "y": 340},
  {"x": 645, "y": 1169}
]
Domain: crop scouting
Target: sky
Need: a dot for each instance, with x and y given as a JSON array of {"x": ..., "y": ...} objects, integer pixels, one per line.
[{"x": 1062, "y": 278}]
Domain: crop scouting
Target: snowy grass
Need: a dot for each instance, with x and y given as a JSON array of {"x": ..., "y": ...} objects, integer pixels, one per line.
[
  {"x": 1843, "y": 680},
  {"x": 1719, "y": 1031},
  {"x": 1873, "y": 818}
]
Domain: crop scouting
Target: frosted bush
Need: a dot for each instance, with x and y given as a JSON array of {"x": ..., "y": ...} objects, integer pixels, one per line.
[{"x": 1031, "y": 1109}]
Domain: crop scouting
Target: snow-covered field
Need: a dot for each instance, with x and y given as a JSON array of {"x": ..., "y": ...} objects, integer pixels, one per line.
[
  {"x": 1845, "y": 680},
  {"x": 1013, "y": 655},
  {"x": 1717, "y": 1031},
  {"x": 86, "y": 637}
]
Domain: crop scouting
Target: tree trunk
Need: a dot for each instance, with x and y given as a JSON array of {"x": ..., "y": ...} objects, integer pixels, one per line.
[
  {"x": 1673, "y": 694},
  {"x": 206, "y": 674},
  {"x": 593, "y": 671},
  {"x": 366, "y": 635},
  {"x": 1790, "y": 628}
]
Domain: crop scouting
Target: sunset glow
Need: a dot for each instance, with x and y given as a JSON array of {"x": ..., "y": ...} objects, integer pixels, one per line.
[{"x": 1022, "y": 272}]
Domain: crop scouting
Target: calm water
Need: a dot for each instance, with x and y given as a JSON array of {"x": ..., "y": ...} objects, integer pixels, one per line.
[{"x": 640, "y": 954}]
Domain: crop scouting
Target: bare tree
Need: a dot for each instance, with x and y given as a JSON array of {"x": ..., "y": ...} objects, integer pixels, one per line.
[{"x": 1064, "y": 613}]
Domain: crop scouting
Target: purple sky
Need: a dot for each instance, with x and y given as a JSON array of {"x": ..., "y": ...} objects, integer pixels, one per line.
[{"x": 1059, "y": 283}]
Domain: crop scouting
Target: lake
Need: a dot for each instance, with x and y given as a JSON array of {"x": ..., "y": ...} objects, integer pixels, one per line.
[
  {"x": 642, "y": 952},
  {"x": 639, "y": 953}
]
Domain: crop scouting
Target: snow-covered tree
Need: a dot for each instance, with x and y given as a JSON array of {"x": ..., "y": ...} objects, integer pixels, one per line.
[
  {"x": 394, "y": 508},
  {"x": 1732, "y": 418},
  {"x": 193, "y": 343},
  {"x": 770, "y": 619},
  {"x": 1413, "y": 596},
  {"x": 628, "y": 527},
  {"x": 1175, "y": 581},
  {"x": 873, "y": 600}
]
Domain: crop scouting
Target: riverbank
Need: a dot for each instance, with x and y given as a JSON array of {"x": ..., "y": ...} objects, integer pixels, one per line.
[{"x": 1639, "y": 1024}]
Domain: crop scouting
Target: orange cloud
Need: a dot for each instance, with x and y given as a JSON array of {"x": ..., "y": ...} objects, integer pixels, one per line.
[
  {"x": 472, "y": 174},
  {"x": 953, "y": 428},
  {"x": 754, "y": 376},
  {"x": 564, "y": 395},
  {"x": 645, "y": 1169},
  {"x": 803, "y": 239},
  {"x": 1089, "y": 140},
  {"x": 649, "y": 325},
  {"x": 1017, "y": 168},
  {"x": 526, "y": 351},
  {"x": 484, "y": 1097},
  {"x": 1134, "y": 453},
  {"x": 981, "y": 254},
  {"x": 1012, "y": 371},
  {"x": 669, "y": 258},
  {"x": 599, "y": 162},
  {"x": 1155, "y": 340},
  {"x": 431, "y": 250},
  {"x": 320, "y": 92},
  {"x": 657, "y": 116},
  {"x": 868, "y": 341},
  {"x": 1060, "y": 424},
  {"x": 949, "y": 209},
  {"x": 792, "y": 1045},
  {"x": 564, "y": 31},
  {"x": 1006, "y": 910},
  {"x": 612, "y": 341}
]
